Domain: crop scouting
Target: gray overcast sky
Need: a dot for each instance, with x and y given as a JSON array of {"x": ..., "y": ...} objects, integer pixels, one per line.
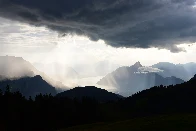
[
  {"x": 39, "y": 44},
  {"x": 85, "y": 33},
  {"x": 120, "y": 23}
]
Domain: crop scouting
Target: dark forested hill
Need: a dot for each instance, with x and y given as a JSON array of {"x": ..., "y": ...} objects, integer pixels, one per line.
[
  {"x": 29, "y": 86},
  {"x": 178, "y": 98},
  {"x": 98, "y": 94}
]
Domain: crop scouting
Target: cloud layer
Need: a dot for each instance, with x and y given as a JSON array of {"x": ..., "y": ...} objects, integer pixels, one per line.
[{"x": 120, "y": 23}]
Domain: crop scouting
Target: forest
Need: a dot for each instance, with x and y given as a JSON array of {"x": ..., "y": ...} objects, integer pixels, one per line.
[{"x": 51, "y": 113}]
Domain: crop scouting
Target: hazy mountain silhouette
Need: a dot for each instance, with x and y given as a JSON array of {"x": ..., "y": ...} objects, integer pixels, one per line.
[
  {"x": 98, "y": 94},
  {"x": 15, "y": 67},
  {"x": 100, "y": 68},
  {"x": 104, "y": 67},
  {"x": 137, "y": 65},
  {"x": 182, "y": 71},
  {"x": 129, "y": 80},
  {"x": 29, "y": 86},
  {"x": 12, "y": 67},
  {"x": 58, "y": 71}
]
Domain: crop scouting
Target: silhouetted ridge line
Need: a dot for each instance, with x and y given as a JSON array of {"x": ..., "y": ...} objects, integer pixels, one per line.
[
  {"x": 164, "y": 99},
  {"x": 98, "y": 94},
  {"x": 194, "y": 78},
  {"x": 29, "y": 86}
]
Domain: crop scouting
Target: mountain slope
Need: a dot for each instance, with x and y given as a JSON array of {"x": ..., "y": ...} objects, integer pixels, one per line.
[
  {"x": 129, "y": 80},
  {"x": 91, "y": 92},
  {"x": 14, "y": 67},
  {"x": 29, "y": 86}
]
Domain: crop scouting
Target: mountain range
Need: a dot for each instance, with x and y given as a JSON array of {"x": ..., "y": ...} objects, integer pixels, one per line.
[
  {"x": 182, "y": 71},
  {"x": 129, "y": 80}
]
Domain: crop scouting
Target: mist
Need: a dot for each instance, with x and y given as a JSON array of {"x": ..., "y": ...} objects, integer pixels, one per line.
[{"x": 11, "y": 67}]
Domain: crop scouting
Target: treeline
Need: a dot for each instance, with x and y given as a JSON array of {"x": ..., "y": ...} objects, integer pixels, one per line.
[
  {"x": 161, "y": 99},
  {"x": 49, "y": 113},
  {"x": 46, "y": 112}
]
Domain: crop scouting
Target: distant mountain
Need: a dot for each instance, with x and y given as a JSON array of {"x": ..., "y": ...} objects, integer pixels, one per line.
[
  {"x": 129, "y": 80},
  {"x": 12, "y": 67},
  {"x": 182, "y": 71},
  {"x": 29, "y": 86},
  {"x": 100, "y": 68},
  {"x": 137, "y": 65},
  {"x": 98, "y": 94}
]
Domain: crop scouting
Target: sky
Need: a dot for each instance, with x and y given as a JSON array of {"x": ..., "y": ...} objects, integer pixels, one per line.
[
  {"x": 82, "y": 34},
  {"x": 42, "y": 45}
]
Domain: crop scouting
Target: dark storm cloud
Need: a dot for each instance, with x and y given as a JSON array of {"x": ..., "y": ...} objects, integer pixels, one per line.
[{"x": 120, "y": 23}]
